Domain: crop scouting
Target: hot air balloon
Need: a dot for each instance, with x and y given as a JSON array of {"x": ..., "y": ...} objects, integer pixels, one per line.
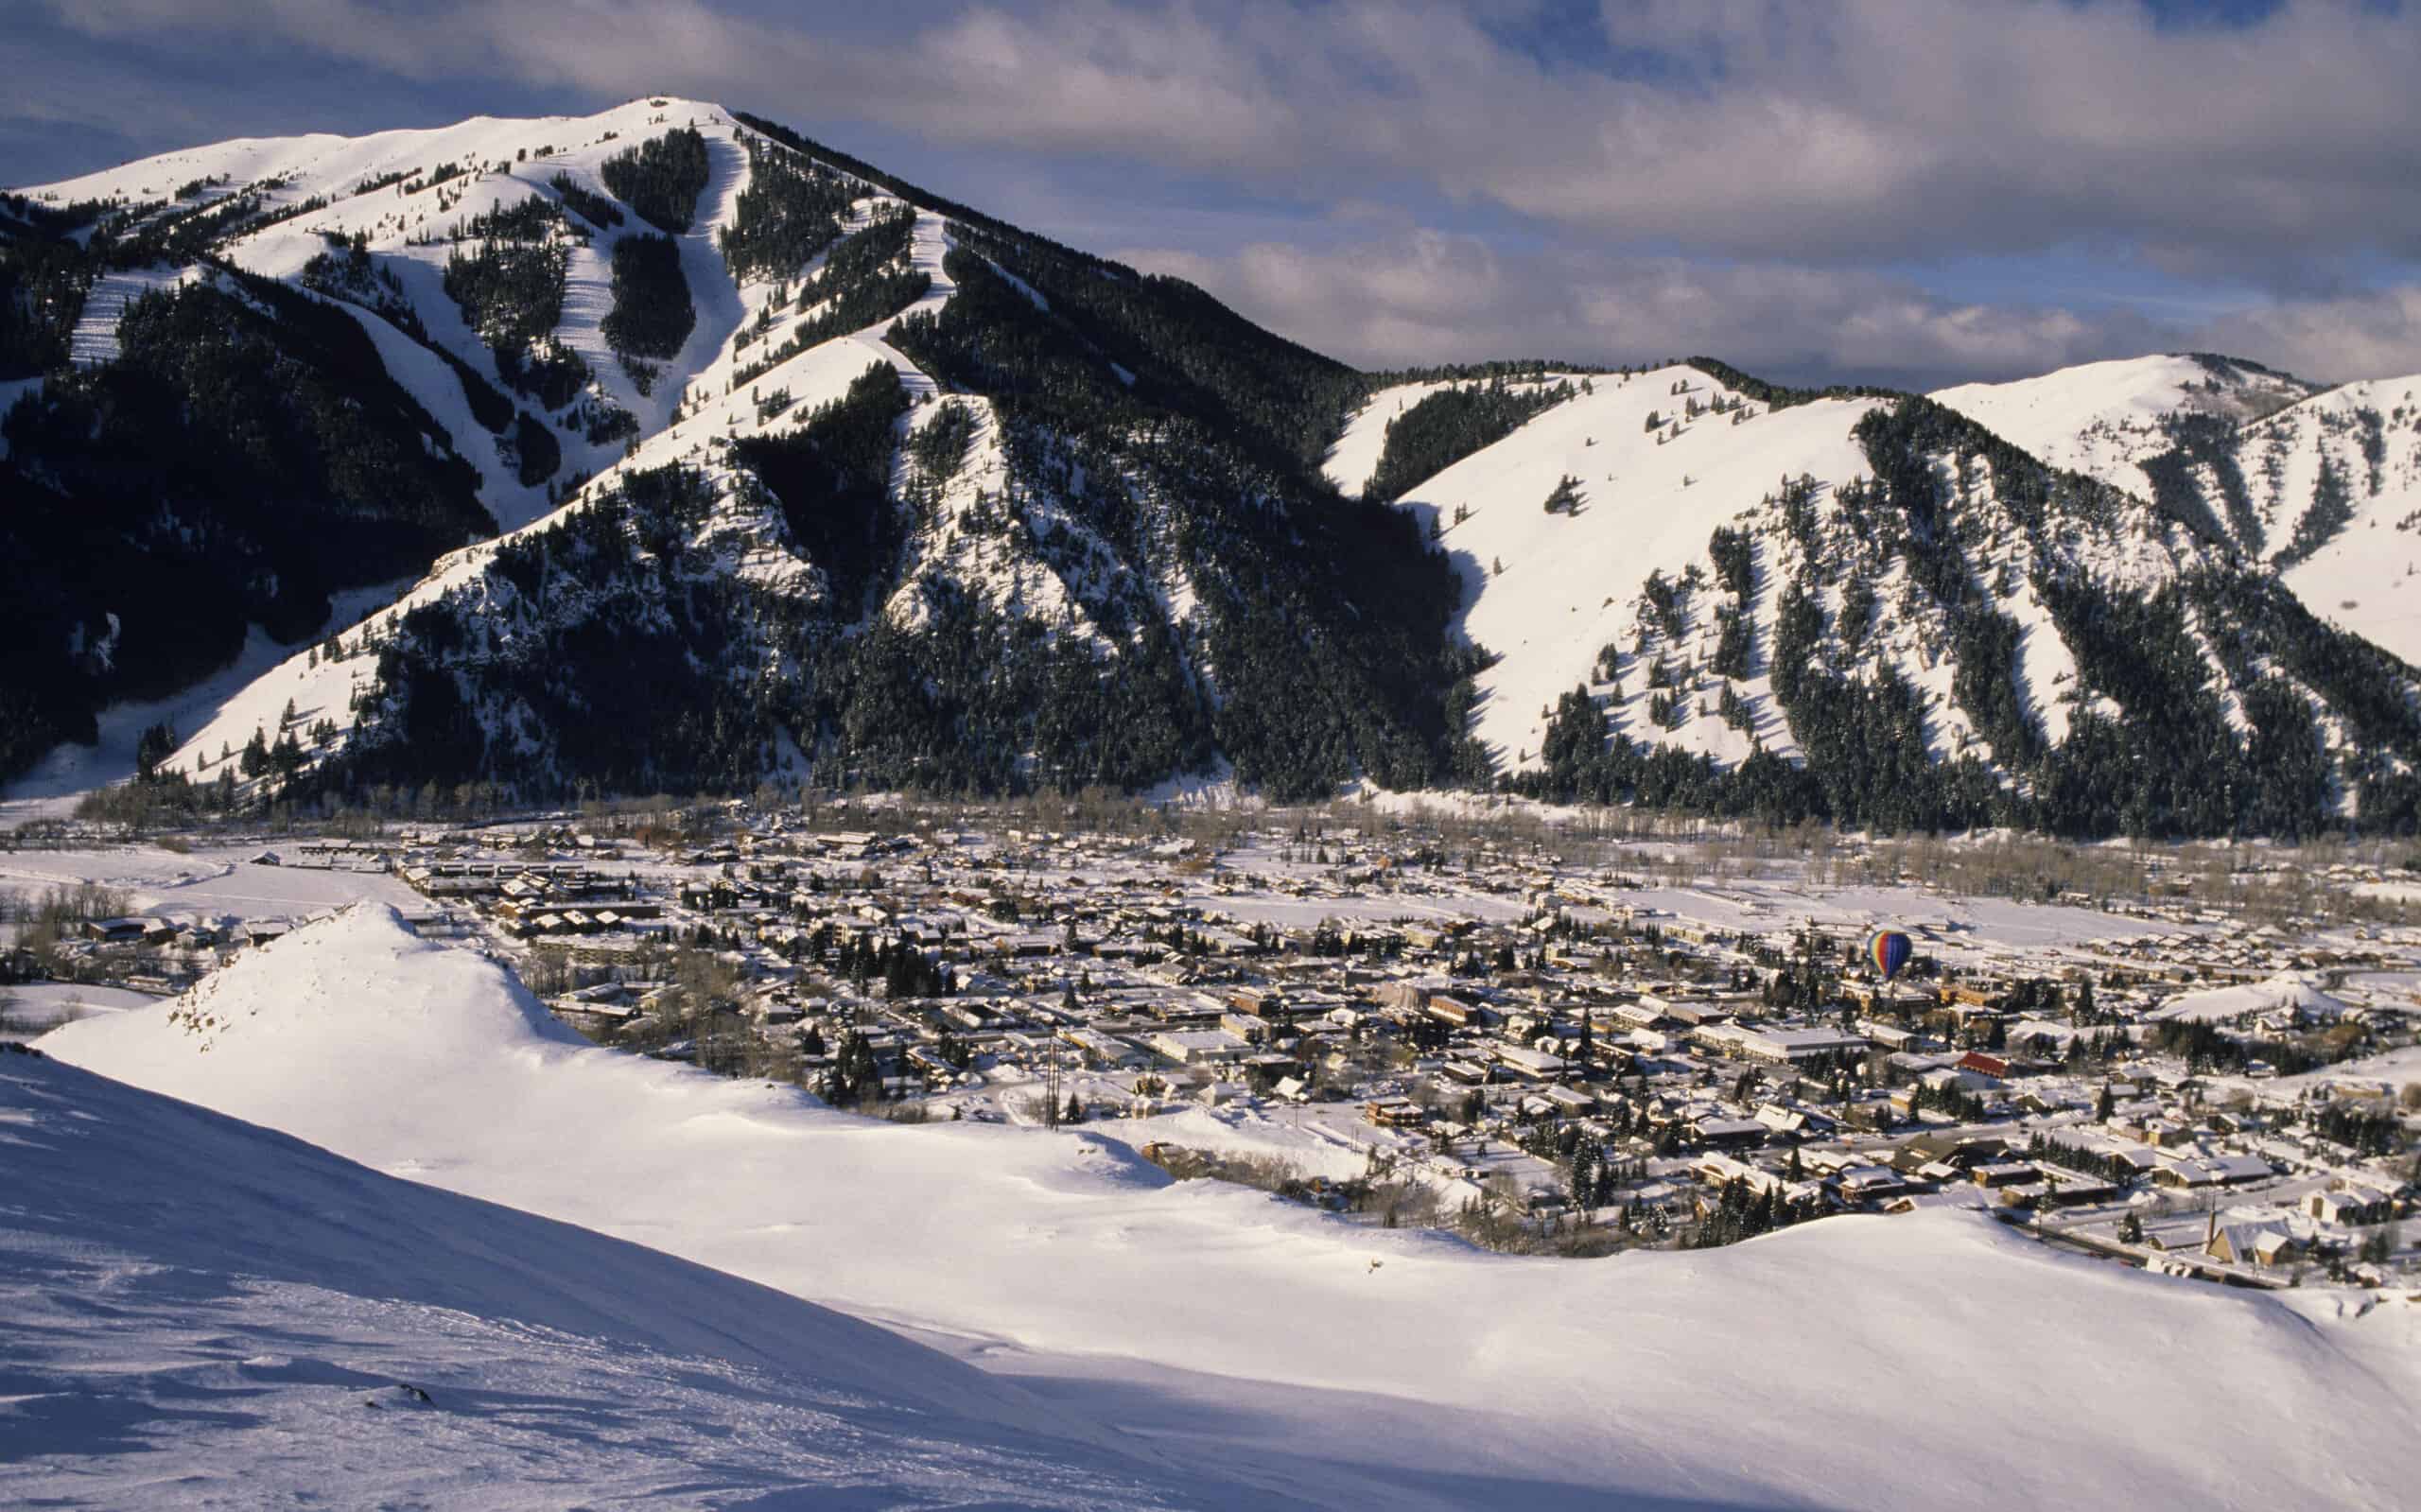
[{"x": 1886, "y": 950}]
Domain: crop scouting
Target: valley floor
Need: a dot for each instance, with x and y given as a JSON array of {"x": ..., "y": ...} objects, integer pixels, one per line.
[{"x": 1136, "y": 1340}]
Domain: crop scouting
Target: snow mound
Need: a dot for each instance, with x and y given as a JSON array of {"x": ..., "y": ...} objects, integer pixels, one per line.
[
  {"x": 2285, "y": 992},
  {"x": 1887, "y": 1363},
  {"x": 206, "y": 1312}
]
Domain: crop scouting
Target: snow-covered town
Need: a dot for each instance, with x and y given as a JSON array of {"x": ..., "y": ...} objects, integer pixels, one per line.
[
  {"x": 1547, "y": 1041},
  {"x": 1185, "y": 756}
]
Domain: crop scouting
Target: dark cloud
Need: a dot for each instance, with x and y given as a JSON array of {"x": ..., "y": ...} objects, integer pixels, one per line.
[{"x": 2374, "y": 334}]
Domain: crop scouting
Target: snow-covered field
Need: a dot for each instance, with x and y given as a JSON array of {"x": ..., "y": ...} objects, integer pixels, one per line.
[
  {"x": 2396, "y": 1068},
  {"x": 211, "y": 883},
  {"x": 33, "y": 1007},
  {"x": 1905, "y": 1361}
]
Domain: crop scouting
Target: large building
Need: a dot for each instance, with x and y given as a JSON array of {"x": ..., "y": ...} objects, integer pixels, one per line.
[{"x": 1781, "y": 1047}]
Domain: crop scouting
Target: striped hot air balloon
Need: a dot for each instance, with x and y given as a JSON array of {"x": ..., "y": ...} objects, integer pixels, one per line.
[{"x": 1886, "y": 950}]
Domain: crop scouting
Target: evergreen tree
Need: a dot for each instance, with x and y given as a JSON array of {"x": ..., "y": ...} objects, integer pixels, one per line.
[{"x": 1582, "y": 1182}]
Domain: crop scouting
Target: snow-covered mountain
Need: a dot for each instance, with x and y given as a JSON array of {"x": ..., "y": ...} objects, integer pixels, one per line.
[
  {"x": 1259, "y": 1344},
  {"x": 2107, "y": 419},
  {"x": 2335, "y": 483},
  {"x": 204, "y": 1313},
  {"x": 882, "y": 484},
  {"x": 2323, "y": 484},
  {"x": 799, "y": 468},
  {"x": 1699, "y": 588}
]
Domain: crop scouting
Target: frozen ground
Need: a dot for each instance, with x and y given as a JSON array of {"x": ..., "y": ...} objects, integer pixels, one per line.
[{"x": 1907, "y": 1362}]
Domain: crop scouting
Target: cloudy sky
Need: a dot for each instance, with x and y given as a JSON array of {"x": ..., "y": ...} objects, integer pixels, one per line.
[{"x": 1901, "y": 191}]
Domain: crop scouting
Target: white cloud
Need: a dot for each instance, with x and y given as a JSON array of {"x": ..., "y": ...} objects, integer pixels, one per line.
[
  {"x": 617, "y": 48},
  {"x": 1426, "y": 297},
  {"x": 1821, "y": 129}
]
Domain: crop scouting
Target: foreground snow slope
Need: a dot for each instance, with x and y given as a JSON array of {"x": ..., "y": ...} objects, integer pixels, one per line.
[
  {"x": 200, "y": 1311},
  {"x": 1884, "y": 1363}
]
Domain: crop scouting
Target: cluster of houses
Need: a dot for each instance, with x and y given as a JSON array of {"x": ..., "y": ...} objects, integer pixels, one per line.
[
  {"x": 1563, "y": 1039},
  {"x": 1478, "y": 1017},
  {"x": 160, "y": 954}
]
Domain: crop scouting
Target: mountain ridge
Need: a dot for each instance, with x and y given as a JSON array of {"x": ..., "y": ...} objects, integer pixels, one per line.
[{"x": 1117, "y": 533}]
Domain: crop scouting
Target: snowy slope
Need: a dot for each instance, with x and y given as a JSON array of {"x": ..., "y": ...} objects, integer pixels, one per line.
[
  {"x": 1092, "y": 545},
  {"x": 406, "y": 229},
  {"x": 691, "y": 408},
  {"x": 2362, "y": 568},
  {"x": 200, "y": 1311},
  {"x": 2102, "y": 419},
  {"x": 701, "y": 402},
  {"x": 1570, "y": 583},
  {"x": 96, "y": 337},
  {"x": 70, "y": 768},
  {"x": 1353, "y": 1366},
  {"x": 2285, "y": 449},
  {"x": 322, "y": 688},
  {"x": 1356, "y": 454},
  {"x": 502, "y": 162},
  {"x": 1356, "y": 451},
  {"x": 1954, "y": 578}
]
